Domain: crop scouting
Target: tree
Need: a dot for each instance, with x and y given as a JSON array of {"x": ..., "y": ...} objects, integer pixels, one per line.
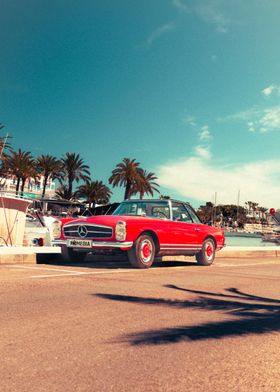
[
  {"x": 20, "y": 164},
  {"x": 63, "y": 193},
  {"x": 145, "y": 183},
  {"x": 49, "y": 167},
  {"x": 94, "y": 192},
  {"x": 205, "y": 213},
  {"x": 263, "y": 211},
  {"x": 126, "y": 174},
  {"x": 73, "y": 169}
]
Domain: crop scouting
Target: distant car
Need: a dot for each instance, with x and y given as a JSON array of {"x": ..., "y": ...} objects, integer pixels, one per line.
[
  {"x": 36, "y": 233},
  {"x": 142, "y": 228}
]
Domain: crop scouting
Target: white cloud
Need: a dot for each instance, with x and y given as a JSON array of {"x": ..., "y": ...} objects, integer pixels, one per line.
[
  {"x": 180, "y": 5},
  {"x": 207, "y": 11},
  {"x": 204, "y": 133},
  {"x": 268, "y": 91},
  {"x": 270, "y": 119},
  {"x": 251, "y": 126},
  {"x": 199, "y": 179},
  {"x": 160, "y": 31},
  {"x": 190, "y": 120},
  {"x": 203, "y": 152},
  {"x": 258, "y": 120},
  {"x": 210, "y": 14},
  {"x": 244, "y": 115},
  {"x": 267, "y": 120}
]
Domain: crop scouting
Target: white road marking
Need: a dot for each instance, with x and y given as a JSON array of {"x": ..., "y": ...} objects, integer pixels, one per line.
[
  {"x": 118, "y": 271},
  {"x": 82, "y": 273},
  {"x": 66, "y": 272},
  {"x": 45, "y": 269},
  {"x": 247, "y": 264}
]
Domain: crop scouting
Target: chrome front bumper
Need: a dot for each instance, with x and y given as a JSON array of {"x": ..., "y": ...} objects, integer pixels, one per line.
[{"x": 99, "y": 244}]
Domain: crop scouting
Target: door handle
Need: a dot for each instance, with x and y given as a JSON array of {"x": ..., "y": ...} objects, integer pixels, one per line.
[{"x": 196, "y": 229}]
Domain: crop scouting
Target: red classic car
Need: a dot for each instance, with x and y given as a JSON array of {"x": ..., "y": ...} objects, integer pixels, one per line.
[{"x": 142, "y": 228}]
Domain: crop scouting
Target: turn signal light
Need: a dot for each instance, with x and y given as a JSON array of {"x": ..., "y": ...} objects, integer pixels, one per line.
[{"x": 56, "y": 229}]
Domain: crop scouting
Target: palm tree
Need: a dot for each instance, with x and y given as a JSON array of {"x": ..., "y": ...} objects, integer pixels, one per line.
[
  {"x": 263, "y": 211},
  {"x": 49, "y": 167},
  {"x": 95, "y": 192},
  {"x": 126, "y": 174},
  {"x": 254, "y": 208},
  {"x": 73, "y": 169},
  {"x": 63, "y": 193},
  {"x": 145, "y": 184},
  {"x": 20, "y": 164}
]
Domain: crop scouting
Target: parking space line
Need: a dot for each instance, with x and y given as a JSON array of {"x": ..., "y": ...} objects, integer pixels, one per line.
[
  {"x": 247, "y": 264},
  {"x": 84, "y": 273},
  {"x": 45, "y": 269},
  {"x": 57, "y": 272},
  {"x": 119, "y": 271}
]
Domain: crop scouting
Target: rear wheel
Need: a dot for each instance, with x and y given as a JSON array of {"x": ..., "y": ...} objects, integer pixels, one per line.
[
  {"x": 68, "y": 254},
  {"x": 142, "y": 254},
  {"x": 207, "y": 254}
]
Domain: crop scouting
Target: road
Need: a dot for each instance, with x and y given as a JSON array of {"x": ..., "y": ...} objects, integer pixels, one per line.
[{"x": 102, "y": 326}]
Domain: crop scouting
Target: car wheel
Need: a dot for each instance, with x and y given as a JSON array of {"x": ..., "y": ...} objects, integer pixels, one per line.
[
  {"x": 142, "y": 254},
  {"x": 69, "y": 255},
  {"x": 207, "y": 254}
]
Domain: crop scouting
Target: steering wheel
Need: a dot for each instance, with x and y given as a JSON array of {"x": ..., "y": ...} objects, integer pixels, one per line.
[{"x": 160, "y": 213}]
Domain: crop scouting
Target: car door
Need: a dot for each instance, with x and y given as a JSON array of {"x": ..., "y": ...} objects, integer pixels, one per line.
[{"x": 184, "y": 232}]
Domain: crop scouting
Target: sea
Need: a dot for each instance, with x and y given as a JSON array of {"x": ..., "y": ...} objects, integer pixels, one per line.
[{"x": 232, "y": 240}]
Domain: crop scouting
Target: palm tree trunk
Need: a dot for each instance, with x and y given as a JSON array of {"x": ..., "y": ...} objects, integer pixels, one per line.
[
  {"x": 22, "y": 185},
  {"x": 127, "y": 190},
  {"x": 44, "y": 186},
  {"x": 70, "y": 188},
  {"x": 17, "y": 186}
]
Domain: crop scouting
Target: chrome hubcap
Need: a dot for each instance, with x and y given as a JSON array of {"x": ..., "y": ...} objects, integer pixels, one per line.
[
  {"x": 146, "y": 251},
  {"x": 209, "y": 250}
]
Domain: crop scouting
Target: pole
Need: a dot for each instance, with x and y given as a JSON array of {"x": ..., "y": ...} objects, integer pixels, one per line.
[
  {"x": 4, "y": 144},
  {"x": 215, "y": 204},
  {"x": 238, "y": 197}
]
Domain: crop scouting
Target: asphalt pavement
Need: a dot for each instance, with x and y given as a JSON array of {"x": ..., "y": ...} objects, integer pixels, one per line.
[{"x": 103, "y": 326}]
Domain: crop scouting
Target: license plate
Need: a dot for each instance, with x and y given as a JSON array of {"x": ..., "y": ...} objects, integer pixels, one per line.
[{"x": 79, "y": 243}]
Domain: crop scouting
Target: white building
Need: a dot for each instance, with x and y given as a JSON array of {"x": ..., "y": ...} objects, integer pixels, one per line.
[{"x": 33, "y": 188}]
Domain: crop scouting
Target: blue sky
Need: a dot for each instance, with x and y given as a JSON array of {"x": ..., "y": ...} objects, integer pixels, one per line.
[{"x": 190, "y": 89}]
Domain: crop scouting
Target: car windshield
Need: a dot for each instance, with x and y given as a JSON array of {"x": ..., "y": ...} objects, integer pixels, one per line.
[{"x": 155, "y": 209}]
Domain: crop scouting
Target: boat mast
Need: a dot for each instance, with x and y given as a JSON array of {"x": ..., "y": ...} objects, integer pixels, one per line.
[
  {"x": 238, "y": 197},
  {"x": 4, "y": 145}
]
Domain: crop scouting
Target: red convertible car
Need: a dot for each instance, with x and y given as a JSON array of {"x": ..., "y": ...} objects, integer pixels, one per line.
[{"x": 142, "y": 228}]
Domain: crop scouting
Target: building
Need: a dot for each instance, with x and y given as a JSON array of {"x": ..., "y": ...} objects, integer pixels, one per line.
[{"x": 33, "y": 188}]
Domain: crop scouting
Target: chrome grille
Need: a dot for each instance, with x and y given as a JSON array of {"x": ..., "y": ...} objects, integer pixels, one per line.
[{"x": 92, "y": 231}]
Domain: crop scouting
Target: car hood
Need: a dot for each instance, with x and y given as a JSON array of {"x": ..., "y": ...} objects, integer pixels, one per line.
[{"x": 110, "y": 220}]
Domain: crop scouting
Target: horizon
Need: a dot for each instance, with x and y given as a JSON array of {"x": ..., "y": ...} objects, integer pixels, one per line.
[{"x": 191, "y": 90}]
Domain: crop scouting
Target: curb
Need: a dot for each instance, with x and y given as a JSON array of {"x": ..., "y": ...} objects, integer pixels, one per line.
[
  {"x": 246, "y": 251},
  {"x": 31, "y": 254},
  {"x": 25, "y": 254}
]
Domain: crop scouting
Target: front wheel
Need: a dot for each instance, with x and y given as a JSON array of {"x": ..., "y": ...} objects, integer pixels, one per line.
[
  {"x": 142, "y": 254},
  {"x": 69, "y": 255},
  {"x": 207, "y": 254}
]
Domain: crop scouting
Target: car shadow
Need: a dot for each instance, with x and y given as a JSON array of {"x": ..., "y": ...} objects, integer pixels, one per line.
[
  {"x": 108, "y": 262},
  {"x": 249, "y": 315}
]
